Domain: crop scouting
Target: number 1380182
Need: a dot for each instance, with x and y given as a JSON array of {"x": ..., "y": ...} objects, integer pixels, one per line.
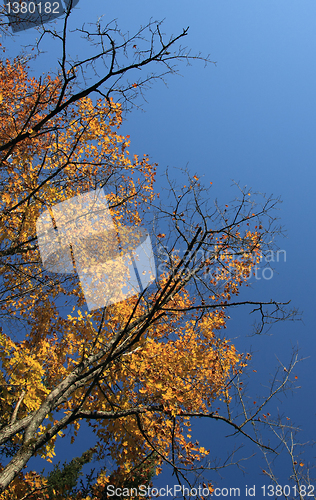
[
  {"x": 278, "y": 491},
  {"x": 33, "y": 7}
]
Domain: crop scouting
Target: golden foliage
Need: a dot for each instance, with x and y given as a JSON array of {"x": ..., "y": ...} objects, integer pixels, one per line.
[{"x": 179, "y": 365}]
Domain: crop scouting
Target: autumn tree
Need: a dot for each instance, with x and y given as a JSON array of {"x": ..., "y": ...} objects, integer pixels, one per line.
[{"x": 138, "y": 370}]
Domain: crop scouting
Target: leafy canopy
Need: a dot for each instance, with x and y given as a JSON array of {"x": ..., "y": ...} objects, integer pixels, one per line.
[{"x": 137, "y": 371}]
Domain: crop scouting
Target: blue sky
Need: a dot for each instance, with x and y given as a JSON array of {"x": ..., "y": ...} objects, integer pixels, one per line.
[{"x": 251, "y": 118}]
